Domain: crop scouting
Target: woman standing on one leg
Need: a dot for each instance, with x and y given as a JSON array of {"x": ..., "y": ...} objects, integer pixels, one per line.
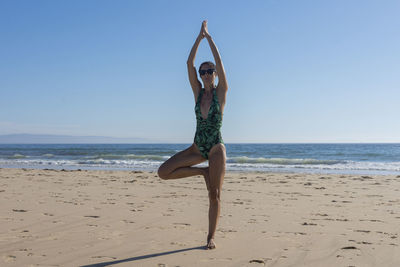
[{"x": 208, "y": 144}]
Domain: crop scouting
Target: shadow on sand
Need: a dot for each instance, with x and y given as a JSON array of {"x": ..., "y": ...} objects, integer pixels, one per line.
[{"x": 142, "y": 257}]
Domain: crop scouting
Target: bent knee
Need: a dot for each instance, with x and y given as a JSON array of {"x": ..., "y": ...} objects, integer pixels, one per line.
[{"x": 162, "y": 173}]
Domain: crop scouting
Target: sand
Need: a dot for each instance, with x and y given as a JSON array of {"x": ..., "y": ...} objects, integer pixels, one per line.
[{"x": 133, "y": 218}]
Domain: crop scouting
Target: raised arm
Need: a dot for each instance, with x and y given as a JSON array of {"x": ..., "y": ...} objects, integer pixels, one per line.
[
  {"x": 194, "y": 81},
  {"x": 222, "y": 83}
]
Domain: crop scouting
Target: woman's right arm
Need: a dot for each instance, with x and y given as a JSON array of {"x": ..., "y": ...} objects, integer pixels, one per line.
[{"x": 194, "y": 81}]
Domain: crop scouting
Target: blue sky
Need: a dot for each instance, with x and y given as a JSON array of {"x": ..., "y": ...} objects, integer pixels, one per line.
[{"x": 298, "y": 71}]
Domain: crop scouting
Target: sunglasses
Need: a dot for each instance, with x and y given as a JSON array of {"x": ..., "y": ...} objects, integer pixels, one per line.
[{"x": 209, "y": 71}]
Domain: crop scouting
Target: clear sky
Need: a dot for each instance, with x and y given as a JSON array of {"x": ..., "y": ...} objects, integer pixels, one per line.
[{"x": 298, "y": 71}]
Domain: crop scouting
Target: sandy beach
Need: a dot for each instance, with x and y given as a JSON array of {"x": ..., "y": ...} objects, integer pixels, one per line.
[{"x": 133, "y": 218}]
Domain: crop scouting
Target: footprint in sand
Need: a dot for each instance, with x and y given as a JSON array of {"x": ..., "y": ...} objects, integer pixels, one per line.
[
  {"x": 349, "y": 247},
  {"x": 227, "y": 230},
  {"x": 261, "y": 261},
  {"x": 320, "y": 188},
  {"x": 104, "y": 257},
  {"x": 127, "y": 221},
  {"x": 257, "y": 261},
  {"x": 15, "y": 210},
  {"x": 300, "y": 233},
  {"x": 308, "y": 223},
  {"x": 364, "y": 243},
  {"x": 185, "y": 224},
  {"x": 91, "y": 216},
  {"x": 135, "y": 210},
  {"x": 362, "y": 231},
  {"x": 179, "y": 244},
  {"x": 179, "y": 225},
  {"x": 361, "y": 220}
]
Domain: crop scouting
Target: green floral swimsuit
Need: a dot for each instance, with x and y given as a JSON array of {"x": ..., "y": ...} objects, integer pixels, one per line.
[{"x": 208, "y": 131}]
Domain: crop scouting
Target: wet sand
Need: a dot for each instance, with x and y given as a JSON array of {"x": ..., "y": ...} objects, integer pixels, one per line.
[{"x": 133, "y": 218}]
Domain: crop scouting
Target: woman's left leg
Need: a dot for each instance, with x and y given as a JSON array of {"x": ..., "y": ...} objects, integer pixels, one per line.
[{"x": 217, "y": 165}]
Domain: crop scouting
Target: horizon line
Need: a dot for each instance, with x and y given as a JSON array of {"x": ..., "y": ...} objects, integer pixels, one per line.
[{"x": 142, "y": 140}]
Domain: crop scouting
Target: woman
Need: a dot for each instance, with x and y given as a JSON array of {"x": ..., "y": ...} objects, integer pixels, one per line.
[{"x": 208, "y": 144}]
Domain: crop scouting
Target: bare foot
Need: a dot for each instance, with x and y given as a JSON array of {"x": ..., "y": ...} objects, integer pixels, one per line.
[
  {"x": 206, "y": 175},
  {"x": 210, "y": 243}
]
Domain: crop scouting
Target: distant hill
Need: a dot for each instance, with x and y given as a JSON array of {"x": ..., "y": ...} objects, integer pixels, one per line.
[{"x": 65, "y": 139}]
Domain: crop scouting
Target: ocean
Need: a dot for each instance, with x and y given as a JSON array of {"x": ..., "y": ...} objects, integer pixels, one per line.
[{"x": 310, "y": 158}]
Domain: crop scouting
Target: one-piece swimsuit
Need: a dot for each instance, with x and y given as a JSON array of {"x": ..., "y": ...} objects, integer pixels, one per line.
[{"x": 208, "y": 131}]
